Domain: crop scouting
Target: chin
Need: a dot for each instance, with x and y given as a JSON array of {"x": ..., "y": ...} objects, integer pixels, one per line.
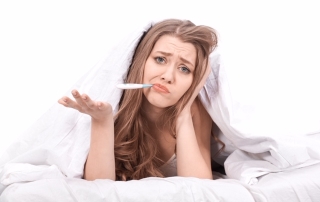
[{"x": 160, "y": 103}]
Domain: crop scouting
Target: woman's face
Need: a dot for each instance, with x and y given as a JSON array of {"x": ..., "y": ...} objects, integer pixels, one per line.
[{"x": 169, "y": 68}]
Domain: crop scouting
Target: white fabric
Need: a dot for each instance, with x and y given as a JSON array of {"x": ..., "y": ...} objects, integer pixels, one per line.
[
  {"x": 253, "y": 152},
  {"x": 295, "y": 186},
  {"x": 169, "y": 168},
  {"x": 172, "y": 189},
  {"x": 56, "y": 146},
  {"x": 61, "y": 136}
]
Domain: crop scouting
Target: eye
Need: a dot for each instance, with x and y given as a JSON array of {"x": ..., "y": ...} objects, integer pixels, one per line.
[
  {"x": 185, "y": 70},
  {"x": 160, "y": 60}
]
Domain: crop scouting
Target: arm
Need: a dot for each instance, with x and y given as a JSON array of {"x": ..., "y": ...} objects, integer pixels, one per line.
[
  {"x": 193, "y": 143},
  {"x": 100, "y": 161},
  {"x": 193, "y": 132}
]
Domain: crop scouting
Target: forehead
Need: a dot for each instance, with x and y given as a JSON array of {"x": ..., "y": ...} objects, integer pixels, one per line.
[{"x": 174, "y": 45}]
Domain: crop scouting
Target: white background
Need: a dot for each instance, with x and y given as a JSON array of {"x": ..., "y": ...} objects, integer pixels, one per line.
[{"x": 46, "y": 46}]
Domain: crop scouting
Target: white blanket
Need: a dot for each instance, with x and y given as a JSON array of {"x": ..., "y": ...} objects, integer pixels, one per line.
[
  {"x": 174, "y": 189},
  {"x": 294, "y": 186},
  {"x": 56, "y": 146}
]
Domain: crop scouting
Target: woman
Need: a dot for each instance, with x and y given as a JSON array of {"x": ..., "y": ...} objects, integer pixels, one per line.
[{"x": 159, "y": 131}]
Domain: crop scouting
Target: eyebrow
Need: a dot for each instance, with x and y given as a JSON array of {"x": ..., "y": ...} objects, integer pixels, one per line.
[{"x": 181, "y": 58}]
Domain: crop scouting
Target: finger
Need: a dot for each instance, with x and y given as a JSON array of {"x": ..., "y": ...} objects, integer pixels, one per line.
[
  {"x": 206, "y": 74},
  {"x": 88, "y": 102},
  {"x": 67, "y": 102},
  {"x": 63, "y": 101},
  {"x": 103, "y": 105},
  {"x": 78, "y": 98},
  {"x": 208, "y": 69}
]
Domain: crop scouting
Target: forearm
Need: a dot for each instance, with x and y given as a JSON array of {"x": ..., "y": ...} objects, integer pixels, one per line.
[
  {"x": 100, "y": 161},
  {"x": 190, "y": 162}
]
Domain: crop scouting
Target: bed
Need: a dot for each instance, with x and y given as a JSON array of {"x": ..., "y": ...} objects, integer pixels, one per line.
[{"x": 278, "y": 163}]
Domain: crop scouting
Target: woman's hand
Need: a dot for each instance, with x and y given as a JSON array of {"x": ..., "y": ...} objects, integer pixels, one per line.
[
  {"x": 193, "y": 132},
  {"x": 197, "y": 89},
  {"x": 100, "y": 162},
  {"x": 99, "y": 111}
]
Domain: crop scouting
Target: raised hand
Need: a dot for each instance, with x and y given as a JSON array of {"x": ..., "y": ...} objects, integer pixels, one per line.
[
  {"x": 197, "y": 89},
  {"x": 99, "y": 111},
  {"x": 193, "y": 133},
  {"x": 100, "y": 162}
]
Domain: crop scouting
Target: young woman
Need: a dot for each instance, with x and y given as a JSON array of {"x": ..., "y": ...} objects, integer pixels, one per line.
[{"x": 159, "y": 131}]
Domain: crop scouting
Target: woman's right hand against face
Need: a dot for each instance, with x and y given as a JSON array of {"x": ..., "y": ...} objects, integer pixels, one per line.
[{"x": 99, "y": 111}]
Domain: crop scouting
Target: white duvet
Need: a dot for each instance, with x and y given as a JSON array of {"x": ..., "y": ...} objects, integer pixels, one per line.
[
  {"x": 45, "y": 183},
  {"x": 52, "y": 153}
]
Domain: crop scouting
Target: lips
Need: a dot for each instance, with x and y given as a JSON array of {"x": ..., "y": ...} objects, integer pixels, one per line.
[{"x": 160, "y": 88}]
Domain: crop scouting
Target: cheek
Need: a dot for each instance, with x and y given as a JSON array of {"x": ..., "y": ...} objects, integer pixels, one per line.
[
  {"x": 189, "y": 83},
  {"x": 187, "y": 87}
]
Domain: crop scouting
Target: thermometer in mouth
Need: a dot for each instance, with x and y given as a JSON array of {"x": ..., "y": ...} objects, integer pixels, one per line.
[{"x": 133, "y": 85}]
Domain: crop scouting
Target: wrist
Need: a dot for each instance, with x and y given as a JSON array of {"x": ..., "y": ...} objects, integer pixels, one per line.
[
  {"x": 183, "y": 117},
  {"x": 106, "y": 120},
  {"x": 183, "y": 120}
]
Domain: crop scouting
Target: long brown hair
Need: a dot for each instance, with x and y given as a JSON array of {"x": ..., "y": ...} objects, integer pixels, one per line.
[{"x": 135, "y": 147}]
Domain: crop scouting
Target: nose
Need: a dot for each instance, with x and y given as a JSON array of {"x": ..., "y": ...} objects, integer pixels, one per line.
[{"x": 168, "y": 74}]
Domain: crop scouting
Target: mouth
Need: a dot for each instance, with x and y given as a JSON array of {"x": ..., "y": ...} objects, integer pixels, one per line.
[{"x": 160, "y": 88}]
